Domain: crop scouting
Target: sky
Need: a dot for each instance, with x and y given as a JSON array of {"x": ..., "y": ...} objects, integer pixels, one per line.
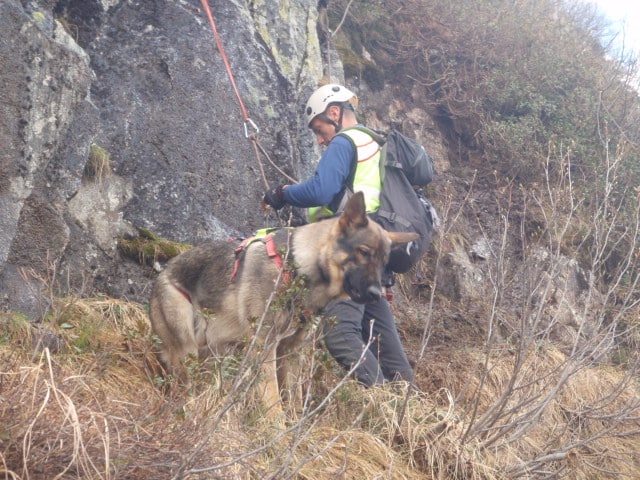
[{"x": 625, "y": 18}]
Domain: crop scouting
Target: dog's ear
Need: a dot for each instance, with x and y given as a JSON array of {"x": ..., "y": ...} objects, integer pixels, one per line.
[
  {"x": 354, "y": 214},
  {"x": 402, "y": 237}
]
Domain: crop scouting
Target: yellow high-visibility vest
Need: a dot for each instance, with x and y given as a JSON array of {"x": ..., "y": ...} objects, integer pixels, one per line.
[{"x": 367, "y": 177}]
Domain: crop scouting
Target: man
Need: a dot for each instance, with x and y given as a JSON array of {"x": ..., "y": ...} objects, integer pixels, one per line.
[{"x": 331, "y": 110}]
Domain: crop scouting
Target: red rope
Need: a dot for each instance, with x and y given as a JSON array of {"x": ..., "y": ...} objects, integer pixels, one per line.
[{"x": 225, "y": 59}]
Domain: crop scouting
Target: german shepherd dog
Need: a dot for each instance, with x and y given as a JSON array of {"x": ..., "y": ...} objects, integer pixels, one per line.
[{"x": 338, "y": 258}]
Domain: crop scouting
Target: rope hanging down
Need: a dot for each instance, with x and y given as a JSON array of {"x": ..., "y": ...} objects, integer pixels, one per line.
[
  {"x": 245, "y": 116},
  {"x": 225, "y": 59}
]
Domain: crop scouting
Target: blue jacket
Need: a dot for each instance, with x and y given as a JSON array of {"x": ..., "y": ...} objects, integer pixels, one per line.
[{"x": 331, "y": 174}]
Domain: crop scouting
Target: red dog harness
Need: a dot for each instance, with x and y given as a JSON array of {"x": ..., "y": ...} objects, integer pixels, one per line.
[{"x": 266, "y": 236}]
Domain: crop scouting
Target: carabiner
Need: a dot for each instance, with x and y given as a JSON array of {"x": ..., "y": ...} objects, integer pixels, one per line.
[{"x": 255, "y": 127}]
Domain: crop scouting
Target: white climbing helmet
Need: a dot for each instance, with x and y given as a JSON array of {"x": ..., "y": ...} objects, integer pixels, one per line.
[{"x": 325, "y": 95}]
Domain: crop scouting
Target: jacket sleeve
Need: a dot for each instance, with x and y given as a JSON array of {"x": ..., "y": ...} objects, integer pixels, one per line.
[{"x": 330, "y": 176}]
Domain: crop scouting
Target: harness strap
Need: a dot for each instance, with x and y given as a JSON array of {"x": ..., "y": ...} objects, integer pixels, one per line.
[
  {"x": 185, "y": 294},
  {"x": 239, "y": 250},
  {"x": 272, "y": 252}
]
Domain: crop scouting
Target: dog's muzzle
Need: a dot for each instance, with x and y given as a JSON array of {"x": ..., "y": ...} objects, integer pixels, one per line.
[
  {"x": 374, "y": 292},
  {"x": 363, "y": 293}
]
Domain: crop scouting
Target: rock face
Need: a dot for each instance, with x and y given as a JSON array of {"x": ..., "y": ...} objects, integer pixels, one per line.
[
  {"x": 120, "y": 114},
  {"x": 143, "y": 81},
  {"x": 46, "y": 78}
]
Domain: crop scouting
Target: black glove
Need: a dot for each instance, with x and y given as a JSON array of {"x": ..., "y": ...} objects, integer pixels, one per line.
[{"x": 275, "y": 197}]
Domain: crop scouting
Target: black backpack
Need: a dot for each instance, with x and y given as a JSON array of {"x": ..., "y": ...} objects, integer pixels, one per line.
[{"x": 404, "y": 163}]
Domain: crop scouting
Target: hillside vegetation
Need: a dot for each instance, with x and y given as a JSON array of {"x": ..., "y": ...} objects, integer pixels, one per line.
[{"x": 535, "y": 376}]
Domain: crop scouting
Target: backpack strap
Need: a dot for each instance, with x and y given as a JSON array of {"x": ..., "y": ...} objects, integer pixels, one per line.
[
  {"x": 348, "y": 185},
  {"x": 378, "y": 136},
  {"x": 393, "y": 217}
]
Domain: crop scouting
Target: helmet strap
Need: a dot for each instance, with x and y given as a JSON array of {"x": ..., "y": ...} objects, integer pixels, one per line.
[{"x": 338, "y": 125}]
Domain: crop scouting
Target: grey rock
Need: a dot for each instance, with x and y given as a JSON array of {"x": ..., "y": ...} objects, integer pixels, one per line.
[{"x": 145, "y": 82}]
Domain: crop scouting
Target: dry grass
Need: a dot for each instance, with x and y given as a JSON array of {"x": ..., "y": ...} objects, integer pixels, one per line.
[{"x": 94, "y": 410}]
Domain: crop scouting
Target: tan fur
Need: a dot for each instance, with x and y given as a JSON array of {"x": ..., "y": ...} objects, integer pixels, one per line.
[{"x": 327, "y": 254}]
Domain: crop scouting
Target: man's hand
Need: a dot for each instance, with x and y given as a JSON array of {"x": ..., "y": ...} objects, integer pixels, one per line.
[{"x": 275, "y": 197}]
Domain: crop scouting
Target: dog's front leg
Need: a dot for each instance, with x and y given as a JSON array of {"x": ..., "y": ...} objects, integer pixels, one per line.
[
  {"x": 269, "y": 384},
  {"x": 290, "y": 370}
]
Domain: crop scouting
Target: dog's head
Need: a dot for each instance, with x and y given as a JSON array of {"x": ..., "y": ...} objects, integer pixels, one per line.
[{"x": 362, "y": 251}]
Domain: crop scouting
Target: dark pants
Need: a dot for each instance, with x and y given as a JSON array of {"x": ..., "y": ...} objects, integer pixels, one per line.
[{"x": 347, "y": 330}]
